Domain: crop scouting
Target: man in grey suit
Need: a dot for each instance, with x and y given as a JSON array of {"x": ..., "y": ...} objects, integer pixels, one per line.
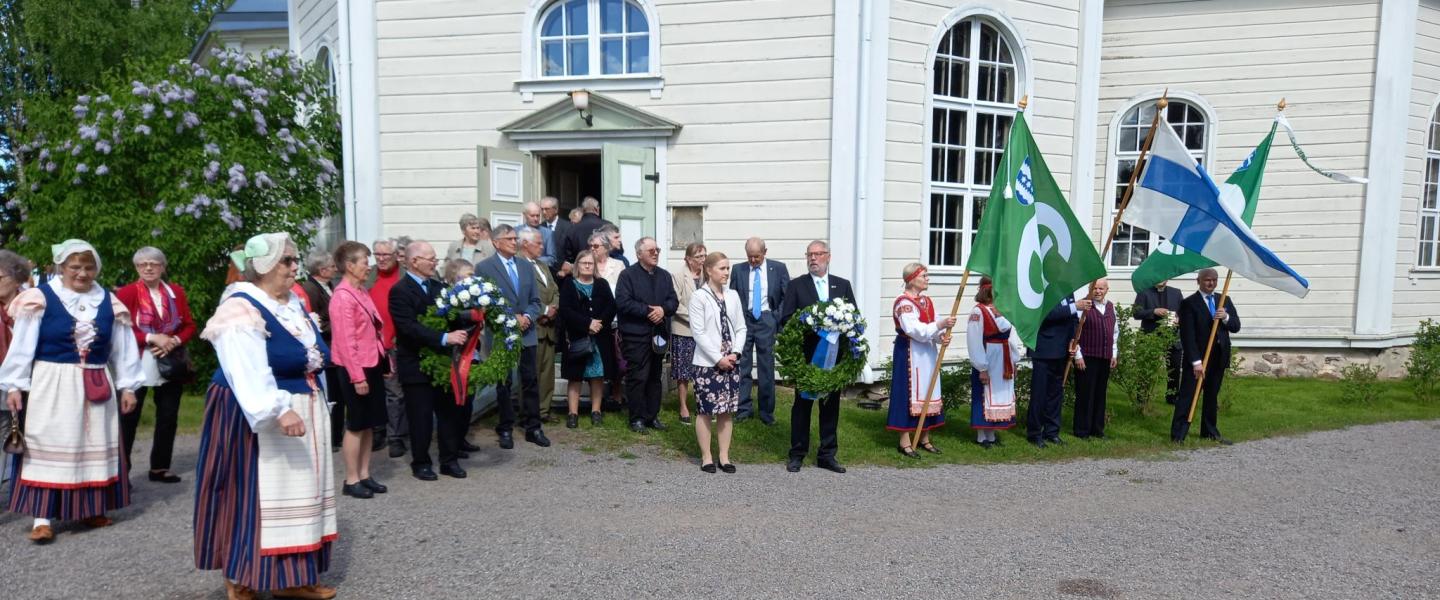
[
  {"x": 761, "y": 285},
  {"x": 516, "y": 278}
]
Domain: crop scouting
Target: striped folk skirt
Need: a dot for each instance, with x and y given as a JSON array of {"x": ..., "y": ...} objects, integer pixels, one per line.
[{"x": 227, "y": 503}]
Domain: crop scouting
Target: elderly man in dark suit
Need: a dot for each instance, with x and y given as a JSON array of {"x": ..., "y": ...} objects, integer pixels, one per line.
[
  {"x": 646, "y": 300},
  {"x": 426, "y": 405},
  {"x": 1197, "y": 313},
  {"x": 760, "y": 283},
  {"x": 1047, "y": 362},
  {"x": 1152, "y": 306},
  {"x": 516, "y": 278},
  {"x": 559, "y": 227},
  {"x": 577, "y": 240},
  {"x": 816, "y": 286},
  {"x": 546, "y": 326}
]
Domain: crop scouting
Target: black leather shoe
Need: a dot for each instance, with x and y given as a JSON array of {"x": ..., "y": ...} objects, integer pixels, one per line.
[
  {"x": 637, "y": 426},
  {"x": 597, "y": 418},
  {"x": 792, "y": 465},
  {"x": 572, "y": 421},
  {"x": 1038, "y": 443},
  {"x": 830, "y": 465},
  {"x": 538, "y": 438},
  {"x": 397, "y": 448},
  {"x": 374, "y": 486},
  {"x": 929, "y": 447},
  {"x": 424, "y": 473},
  {"x": 987, "y": 444},
  {"x": 468, "y": 447},
  {"x": 1056, "y": 440},
  {"x": 452, "y": 470},
  {"x": 355, "y": 490},
  {"x": 164, "y": 477},
  {"x": 767, "y": 421},
  {"x": 908, "y": 452},
  {"x": 507, "y": 440},
  {"x": 727, "y": 467},
  {"x": 655, "y": 424},
  {"x": 1220, "y": 439},
  {"x": 708, "y": 467}
]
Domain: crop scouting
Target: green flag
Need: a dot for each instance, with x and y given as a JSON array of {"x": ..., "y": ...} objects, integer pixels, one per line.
[
  {"x": 1029, "y": 242},
  {"x": 1169, "y": 261}
]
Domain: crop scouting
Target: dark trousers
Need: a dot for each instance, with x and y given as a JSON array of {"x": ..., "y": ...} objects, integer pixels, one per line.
[
  {"x": 800, "y": 427},
  {"x": 642, "y": 378},
  {"x": 529, "y": 396},
  {"x": 167, "y": 413},
  {"x": 1210, "y": 409},
  {"x": 759, "y": 353},
  {"x": 1047, "y": 396},
  {"x": 397, "y": 426},
  {"x": 432, "y": 410},
  {"x": 334, "y": 378},
  {"x": 1090, "y": 387},
  {"x": 1172, "y": 374}
]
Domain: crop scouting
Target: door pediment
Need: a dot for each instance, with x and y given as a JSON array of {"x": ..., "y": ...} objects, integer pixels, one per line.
[{"x": 610, "y": 118}]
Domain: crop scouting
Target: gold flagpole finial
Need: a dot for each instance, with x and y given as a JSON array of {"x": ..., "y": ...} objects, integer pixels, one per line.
[
  {"x": 1281, "y": 105},
  {"x": 1024, "y": 101},
  {"x": 1164, "y": 100}
]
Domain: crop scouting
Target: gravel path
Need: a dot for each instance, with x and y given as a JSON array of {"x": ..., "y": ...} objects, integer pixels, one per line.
[{"x": 1341, "y": 514}]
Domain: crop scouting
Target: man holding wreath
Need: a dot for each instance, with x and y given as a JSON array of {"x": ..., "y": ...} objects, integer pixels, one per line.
[{"x": 816, "y": 286}]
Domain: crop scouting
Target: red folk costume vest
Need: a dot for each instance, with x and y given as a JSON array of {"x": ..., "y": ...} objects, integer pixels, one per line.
[
  {"x": 993, "y": 335},
  {"x": 923, "y": 306}
]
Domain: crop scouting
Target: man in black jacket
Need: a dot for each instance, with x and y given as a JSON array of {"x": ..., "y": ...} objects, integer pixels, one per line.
[
  {"x": 816, "y": 286},
  {"x": 559, "y": 226},
  {"x": 1153, "y": 306},
  {"x": 577, "y": 239},
  {"x": 1047, "y": 364},
  {"x": 1197, "y": 313},
  {"x": 425, "y": 402},
  {"x": 645, "y": 298}
]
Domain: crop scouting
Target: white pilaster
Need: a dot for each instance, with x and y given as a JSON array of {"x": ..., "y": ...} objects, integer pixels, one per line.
[
  {"x": 1087, "y": 109},
  {"x": 362, "y": 113}
]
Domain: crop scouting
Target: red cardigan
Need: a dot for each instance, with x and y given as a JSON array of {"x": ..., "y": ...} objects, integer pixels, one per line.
[{"x": 130, "y": 295}]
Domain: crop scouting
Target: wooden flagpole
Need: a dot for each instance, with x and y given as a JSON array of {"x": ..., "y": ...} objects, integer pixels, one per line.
[
  {"x": 1115, "y": 224},
  {"x": 939, "y": 360},
  {"x": 1205, "y": 362}
]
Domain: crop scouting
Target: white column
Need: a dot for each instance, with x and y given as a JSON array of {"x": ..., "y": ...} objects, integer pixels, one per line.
[
  {"x": 1394, "y": 69},
  {"x": 1087, "y": 109},
  {"x": 364, "y": 100},
  {"x": 844, "y": 111}
]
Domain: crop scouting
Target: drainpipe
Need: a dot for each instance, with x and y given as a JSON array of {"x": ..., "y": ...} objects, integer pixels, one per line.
[{"x": 346, "y": 104}]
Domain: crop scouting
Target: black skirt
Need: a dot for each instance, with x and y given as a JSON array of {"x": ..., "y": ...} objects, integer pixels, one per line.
[{"x": 368, "y": 411}]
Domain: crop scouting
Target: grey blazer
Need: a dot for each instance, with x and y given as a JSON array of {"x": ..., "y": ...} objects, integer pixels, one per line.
[{"x": 525, "y": 300}]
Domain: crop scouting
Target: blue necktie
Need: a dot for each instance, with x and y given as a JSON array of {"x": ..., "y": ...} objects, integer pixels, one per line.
[
  {"x": 821, "y": 290},
  {"x": 1210, "y": 301},
  {"x": 755, "y": 293},
  {"x": 514, "y": 277}
]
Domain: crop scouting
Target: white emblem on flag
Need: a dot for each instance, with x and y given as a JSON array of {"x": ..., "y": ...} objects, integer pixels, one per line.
[{"x": 1024, "y": 185}]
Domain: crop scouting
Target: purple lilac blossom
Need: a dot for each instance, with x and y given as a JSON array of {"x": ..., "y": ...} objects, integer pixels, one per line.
[
  {"x": 102, "y": 147},
  {"x": 212, "y": 148},
  {"x": 139, "y": 89},
  {"x": 102, "y": 170},
  {"x": 82, "y": 168},
  {"x": 142, "y": 129},
  {"x": 147, "y": 110},
  {"x": 211, "y": 170}
]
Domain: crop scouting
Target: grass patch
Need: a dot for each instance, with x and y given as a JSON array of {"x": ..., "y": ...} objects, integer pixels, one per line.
[{"x": 1257, "y": 408}]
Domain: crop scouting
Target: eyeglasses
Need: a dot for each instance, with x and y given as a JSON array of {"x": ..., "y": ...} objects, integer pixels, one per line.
[
  {"x": 816, "y": 254},
  {"x": 597, "y": 246},
  {"x": 148, "y": 265},
  {"x": 289, "y": 261},
  {"x": 426, "y": 259},
  {"x": 508, "y": 238},
  {"x": 651, "y": 251}
]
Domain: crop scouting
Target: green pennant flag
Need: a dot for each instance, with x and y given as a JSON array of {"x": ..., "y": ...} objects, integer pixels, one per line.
[
  {"x": 1169, "y": 261},
  {"x": 1029, "y": 242}
]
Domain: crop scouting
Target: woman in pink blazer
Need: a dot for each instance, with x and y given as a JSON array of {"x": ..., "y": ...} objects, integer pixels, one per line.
[{"x": 356, "y": 347}]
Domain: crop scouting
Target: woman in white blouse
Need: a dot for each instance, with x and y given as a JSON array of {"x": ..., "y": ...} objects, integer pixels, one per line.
[
  {"x": 717, "y": 322},
  {"x": 265, "y": 501},
  {"x": 67, "y": 332}
]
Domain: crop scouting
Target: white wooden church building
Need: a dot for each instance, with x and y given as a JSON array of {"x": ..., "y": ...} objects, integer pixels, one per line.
[{"x": 876, "y": 124}]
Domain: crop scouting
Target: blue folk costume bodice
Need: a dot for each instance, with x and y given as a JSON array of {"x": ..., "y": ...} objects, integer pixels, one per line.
[
  {"x": 57, "y": 332},
  {"x": 284, "y": 352}
]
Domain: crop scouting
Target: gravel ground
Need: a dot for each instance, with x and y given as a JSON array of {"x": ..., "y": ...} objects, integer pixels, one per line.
[{"x": 1341, "y": 514}]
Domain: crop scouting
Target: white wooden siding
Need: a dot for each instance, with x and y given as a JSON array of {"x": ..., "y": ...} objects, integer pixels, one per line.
[
  {"x": 1417, "y": 293},
  {"x": 318, "y": 22},
  {"x": 749, "y": 80},
  {"x": 1242, "y": 57}
]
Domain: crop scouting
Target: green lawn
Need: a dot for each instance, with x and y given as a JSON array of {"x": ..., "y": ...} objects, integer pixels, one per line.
[{"x": 1258, "y": 408}]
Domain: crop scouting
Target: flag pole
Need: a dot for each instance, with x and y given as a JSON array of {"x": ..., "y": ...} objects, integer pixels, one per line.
[
  {"x": 1115, "y": 224},
  {"x": 1205, "y": 362}
]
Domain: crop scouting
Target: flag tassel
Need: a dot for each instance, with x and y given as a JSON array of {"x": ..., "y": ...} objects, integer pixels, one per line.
[
  {"x": 1115, "y": 224},
  {"x": 1205, "y": 362}
]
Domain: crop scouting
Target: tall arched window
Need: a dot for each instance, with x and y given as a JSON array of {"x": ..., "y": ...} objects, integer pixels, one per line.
[
  {"x": 327, "y": 66},
  {"x": 1427, "y": 254},
  {"x": 1133, "y": 244},
  {"x": 974, "y": 85},
  {"x": 579, "y": 38}
]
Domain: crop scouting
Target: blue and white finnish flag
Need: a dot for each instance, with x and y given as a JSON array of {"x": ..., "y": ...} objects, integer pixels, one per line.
[{"x": 1176, "y": 198}]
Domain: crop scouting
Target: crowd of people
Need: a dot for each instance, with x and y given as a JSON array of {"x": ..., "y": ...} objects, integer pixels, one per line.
[{"x": 332, "y": 362}]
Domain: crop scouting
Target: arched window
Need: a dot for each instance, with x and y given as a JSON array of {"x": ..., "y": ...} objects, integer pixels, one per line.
[
  {"x": 579, "y": 38},
  {"x": 975, "y": 83},
  {"x": 327, "y": 66},
  {"x": 1133, "y": 244},
  {"x": 1428, "y": 252}
]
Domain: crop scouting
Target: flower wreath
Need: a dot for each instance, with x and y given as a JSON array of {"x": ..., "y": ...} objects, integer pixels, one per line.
[
  {"x": 481, "y": 296},
  {"x": 835, "y": 316}
]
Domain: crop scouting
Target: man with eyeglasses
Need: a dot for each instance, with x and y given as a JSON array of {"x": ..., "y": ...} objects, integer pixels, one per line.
[
  {"x": 1197, "y": 314},
  {"x": 516, "y": 278},
  {"x": 760, "y": 283},
  {"x": 819, "y": 285},
  {"x": 646, "y": 300},
  {"x": 386, "y": 274}
]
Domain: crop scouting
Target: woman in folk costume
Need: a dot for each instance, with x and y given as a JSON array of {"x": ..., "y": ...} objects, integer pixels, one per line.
[
  {"x": 994, "y": 354},
  {"x": 917, "y": 344},
  {"x": 67, "y": 332},
  {"x": 265, "y": 497}
]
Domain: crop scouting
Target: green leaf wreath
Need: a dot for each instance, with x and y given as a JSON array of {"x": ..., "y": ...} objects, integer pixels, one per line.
[
  {"x": 482, "y": 294},
  {"x": 836, "y": 315}
]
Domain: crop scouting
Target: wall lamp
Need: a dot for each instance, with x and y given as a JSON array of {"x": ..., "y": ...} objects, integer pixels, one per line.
[{"x": 581, "y": 100}]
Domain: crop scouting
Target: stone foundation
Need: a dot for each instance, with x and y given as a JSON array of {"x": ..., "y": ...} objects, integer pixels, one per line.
[{"x": 1324, "y": 364}]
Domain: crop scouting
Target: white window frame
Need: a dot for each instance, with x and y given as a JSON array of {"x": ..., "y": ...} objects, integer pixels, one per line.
[
  {"x": 1431, "y": 179},
  {"x": 1113, "y": 156},
  {"x": 1023, "y": 82},
  {"x": 533, "y": 80}
]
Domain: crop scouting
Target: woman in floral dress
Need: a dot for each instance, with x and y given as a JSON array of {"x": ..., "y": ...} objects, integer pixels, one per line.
[{"x": 718, "y": 327}]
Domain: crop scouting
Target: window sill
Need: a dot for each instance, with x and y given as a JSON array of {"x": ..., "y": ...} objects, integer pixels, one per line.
[
  {"x": 559, "y": 85},
  {"x": 1424, "y": 273}
]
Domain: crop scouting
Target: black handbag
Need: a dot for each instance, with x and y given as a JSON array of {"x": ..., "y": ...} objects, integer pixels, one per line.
[
  {"x": 176, "y": 365},
  {"x": 580, "y": 347}
]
